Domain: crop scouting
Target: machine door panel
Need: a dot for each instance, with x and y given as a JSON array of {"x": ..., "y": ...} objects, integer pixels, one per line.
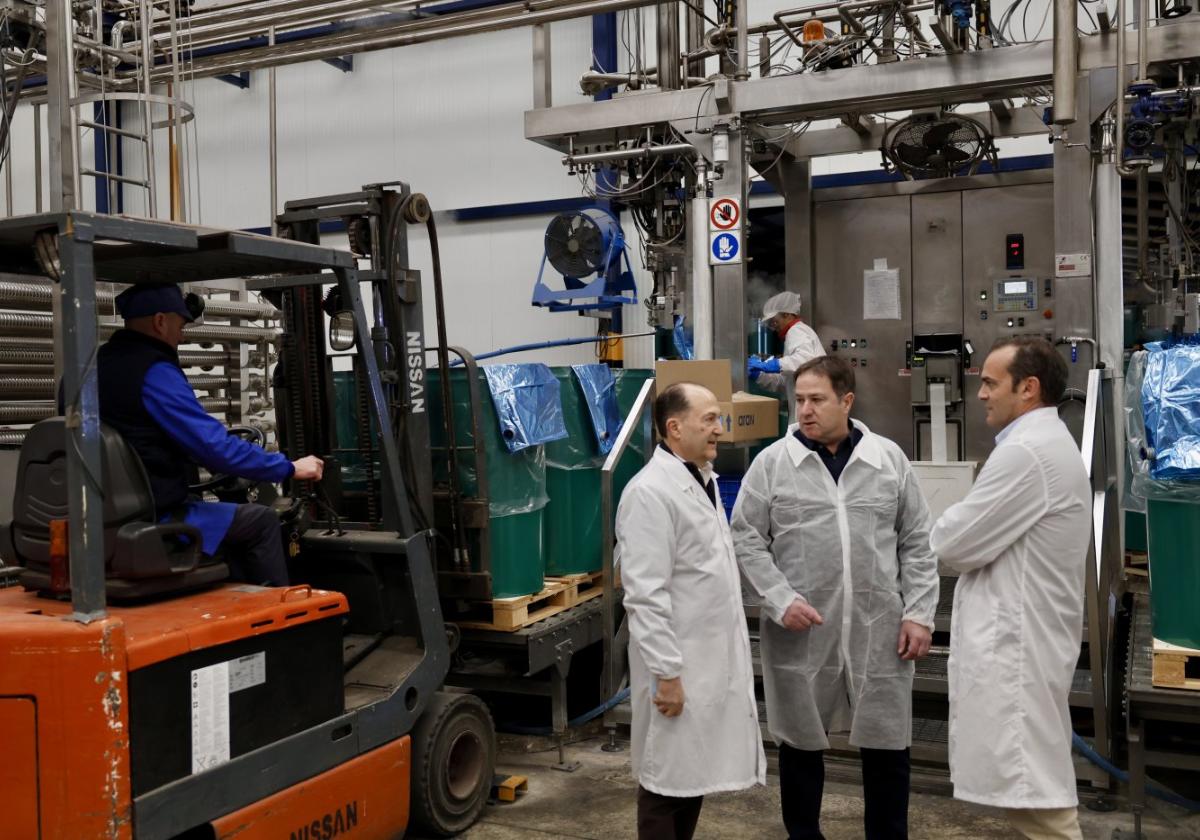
[
  {"x": 937, "y": 263},
  {"x": 994, "y": 221},
  {"x": 851, "y": 236}
]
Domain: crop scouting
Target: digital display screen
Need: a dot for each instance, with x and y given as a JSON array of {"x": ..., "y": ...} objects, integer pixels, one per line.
[{"x": 1016, "y": 287}]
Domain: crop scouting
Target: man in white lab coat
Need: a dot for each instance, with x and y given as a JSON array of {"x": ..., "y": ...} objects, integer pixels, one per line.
[
  {"x": 1020, "y": 540},
  {"x": 781, "y": 314},
  {"x": 832, "y": 532},
  {"x": 695, "y": 720}
]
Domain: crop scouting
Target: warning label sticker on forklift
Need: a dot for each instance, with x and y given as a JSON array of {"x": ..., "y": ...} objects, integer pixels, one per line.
[
  {"x": 247, "y": 671},
  {"x": 210, "y": 716}
]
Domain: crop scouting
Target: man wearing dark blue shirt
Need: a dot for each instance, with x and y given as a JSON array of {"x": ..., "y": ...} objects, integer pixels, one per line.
[{"x": 145, "y": 396}]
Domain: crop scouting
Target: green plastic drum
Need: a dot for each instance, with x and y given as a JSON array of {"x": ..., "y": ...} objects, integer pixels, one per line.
[
  {"x": 1174, "y": 530},
  {"x": 516, "y": 486},
  {"x": 354, "y": 466},
  {"x": 573, "y": 485},
  {"x": 1135, "y": 531}
]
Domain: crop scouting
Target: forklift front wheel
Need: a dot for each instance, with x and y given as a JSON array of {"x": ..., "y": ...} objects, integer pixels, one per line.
[{"x": 453, "y": 756}]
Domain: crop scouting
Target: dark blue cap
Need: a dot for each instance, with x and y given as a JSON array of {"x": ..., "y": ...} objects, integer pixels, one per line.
[{"x": 140, "y": 301}]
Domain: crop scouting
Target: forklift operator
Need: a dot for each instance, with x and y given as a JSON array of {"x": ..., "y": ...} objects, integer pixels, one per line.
[{"x": 145, "y": 396}]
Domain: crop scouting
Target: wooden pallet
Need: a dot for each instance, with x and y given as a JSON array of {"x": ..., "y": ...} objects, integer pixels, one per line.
[
  {"x": 1175, "y": 667},
  {"x": 558, "y": 594}
]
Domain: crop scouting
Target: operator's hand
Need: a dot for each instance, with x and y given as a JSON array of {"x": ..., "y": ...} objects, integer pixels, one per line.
[
  {"x": 769, "y": 365},
  {"x": 308, "y": 468},
  {"x": 915, "y": 640},
  {"x": 752, "y": 370},
  {"x": 801, "y": 616},
  {"x": 669, "y": 698}
]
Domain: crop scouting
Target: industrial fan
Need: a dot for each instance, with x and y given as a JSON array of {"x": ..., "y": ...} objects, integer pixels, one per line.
[
  {"x": 936, "y": 145},
  {"x": 587, "y": 248}
]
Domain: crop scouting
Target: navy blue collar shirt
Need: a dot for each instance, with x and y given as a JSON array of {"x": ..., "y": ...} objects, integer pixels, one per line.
[{"x": 835, "y": 462}]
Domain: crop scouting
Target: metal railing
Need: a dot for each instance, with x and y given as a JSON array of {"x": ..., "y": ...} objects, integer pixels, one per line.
[
  {"x": 1098, "y": 448},
  {"x": 638, "y": 412}
]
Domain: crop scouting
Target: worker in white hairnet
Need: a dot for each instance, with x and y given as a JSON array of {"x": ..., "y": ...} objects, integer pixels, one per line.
[
  {"x": 781, "y": 314},
  {"x": 832, "y": 532},
  {"x": 1019, "y": 541}
]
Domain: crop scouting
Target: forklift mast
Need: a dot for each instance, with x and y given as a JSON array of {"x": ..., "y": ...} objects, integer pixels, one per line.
[{"x": 375, "y": 221}]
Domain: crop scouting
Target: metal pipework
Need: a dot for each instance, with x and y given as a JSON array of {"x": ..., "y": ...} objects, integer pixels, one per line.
[
  {"x": 34, "y": 386},
  {"x": 509, "y": 16},
  {"x": 743, "y": 41},
  {"x": 201, "y": 31},
  {"x": 1066, "y": 60},
  {"x": 669, "y": 74},
  {"x": 693, "y": 41},
  {"x": 39, "y": 295},
  {"x": 1143, "y": 223},
  {"x": 36, "y": 324},
  {"x": 31, "y": 411},
  {"x": 1119, "y": 138},
  {"x": 591, "y": 82},
  {"x": 1142, "y": 50},
  {"x": 640, "y": 153}
]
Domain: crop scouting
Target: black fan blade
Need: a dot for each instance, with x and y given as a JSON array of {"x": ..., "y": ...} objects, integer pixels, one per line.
[
  {"x": 955, "y": 155},
  {"x": 940, "y": 134},
  {"x": 913, "y": 155}
]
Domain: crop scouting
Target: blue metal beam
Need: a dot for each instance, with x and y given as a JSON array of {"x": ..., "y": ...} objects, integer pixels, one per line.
[
  {"x": 345, "y": 63},
  {"x": 604, "y": 60},
  {"x": 238, "y": 80}
]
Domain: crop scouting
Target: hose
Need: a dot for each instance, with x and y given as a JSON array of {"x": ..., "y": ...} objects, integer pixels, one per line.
[
  {"x": 457, "y": 526},
  {"x": 616, "y": 700},
  {"x": 560, "y": 342},
  {"x": 1085, "y": 749}
]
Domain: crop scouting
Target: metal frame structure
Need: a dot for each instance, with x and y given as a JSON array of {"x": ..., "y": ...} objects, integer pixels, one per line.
[{"x": 87, "y": 247}]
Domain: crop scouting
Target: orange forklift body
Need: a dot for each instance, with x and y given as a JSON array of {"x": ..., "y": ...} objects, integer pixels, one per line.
[{"x": 64, "y": 718}]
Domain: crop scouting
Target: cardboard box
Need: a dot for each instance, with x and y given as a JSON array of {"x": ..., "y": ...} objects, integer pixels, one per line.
[
  {"x": 753, "y": 417},
  {"x": 745, "y": 416}
]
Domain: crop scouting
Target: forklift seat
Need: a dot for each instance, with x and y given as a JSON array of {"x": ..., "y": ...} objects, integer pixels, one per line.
[{"x": 142, "y": 557}]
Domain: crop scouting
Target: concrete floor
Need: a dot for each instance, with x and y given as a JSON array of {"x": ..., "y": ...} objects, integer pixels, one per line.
[{"x": 596, "y": 802}]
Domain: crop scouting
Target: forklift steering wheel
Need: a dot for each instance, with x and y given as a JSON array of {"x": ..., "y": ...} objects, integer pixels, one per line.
[{"x": 250, "y": 434}]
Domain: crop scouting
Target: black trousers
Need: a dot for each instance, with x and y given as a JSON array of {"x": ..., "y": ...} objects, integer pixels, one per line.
[
  {"x": 666, "y": 817},
  {"x": 885, "y": 792},
  {"x": 253, "y": 547}
]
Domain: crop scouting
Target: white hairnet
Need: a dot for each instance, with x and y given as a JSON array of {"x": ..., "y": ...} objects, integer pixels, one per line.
[{"x": 783, "y": 302}]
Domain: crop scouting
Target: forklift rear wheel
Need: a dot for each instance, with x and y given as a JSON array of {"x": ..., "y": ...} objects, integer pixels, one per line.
[{"x": 453, "y": 755}]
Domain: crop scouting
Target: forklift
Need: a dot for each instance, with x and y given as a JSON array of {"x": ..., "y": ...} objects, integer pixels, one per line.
[{"x": 142, "y": 695}]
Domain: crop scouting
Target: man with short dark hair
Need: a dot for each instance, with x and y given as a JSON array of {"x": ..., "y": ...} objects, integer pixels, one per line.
[
  {"x": 695, "y": 720},
  {"x": 146, "y": 397},
  {"x": 1020, "y": 540},
  {"x": 832, "y": 532}
]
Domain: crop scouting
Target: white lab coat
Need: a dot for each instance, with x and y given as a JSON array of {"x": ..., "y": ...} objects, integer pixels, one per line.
[
  {"x": 1020, "y": 539},
  {"x": 858, "y": 552},
  {"x": 799, "y": 345},
  {"x": 686, "y": 619}
]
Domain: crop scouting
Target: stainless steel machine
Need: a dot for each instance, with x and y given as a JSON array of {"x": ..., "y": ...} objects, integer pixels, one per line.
[{"x": 975, "y": 263}]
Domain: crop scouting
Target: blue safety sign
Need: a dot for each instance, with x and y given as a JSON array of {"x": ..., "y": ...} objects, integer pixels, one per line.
[{"x": 726, "y": 248}]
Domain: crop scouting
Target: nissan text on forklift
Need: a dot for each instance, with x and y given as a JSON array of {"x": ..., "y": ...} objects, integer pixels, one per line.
[{"x": 143, "y": 695}]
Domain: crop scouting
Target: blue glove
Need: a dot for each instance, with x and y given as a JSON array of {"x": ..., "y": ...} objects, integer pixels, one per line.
[
  {"x": 752, "y": 372},
  {"x": 770, "y": 365}
]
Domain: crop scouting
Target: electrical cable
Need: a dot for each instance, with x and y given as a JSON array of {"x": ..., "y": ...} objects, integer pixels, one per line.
[
  {"x": 616, "y": 700},
  {"x": 559, "y": 342},
  {"x": 1085, "y": 749}
]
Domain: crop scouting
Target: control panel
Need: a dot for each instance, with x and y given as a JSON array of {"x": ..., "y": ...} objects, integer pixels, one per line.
[
  {"x": 855, "y": 348},
  {"x": 1015, "y": 294}
]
